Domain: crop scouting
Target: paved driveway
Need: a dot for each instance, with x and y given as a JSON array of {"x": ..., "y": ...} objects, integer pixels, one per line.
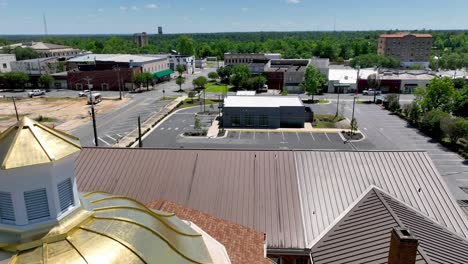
[{"x": 385, "y": 131}]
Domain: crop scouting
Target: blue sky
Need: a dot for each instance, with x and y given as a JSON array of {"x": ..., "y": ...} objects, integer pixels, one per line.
[{"x": 182, "y": 16}]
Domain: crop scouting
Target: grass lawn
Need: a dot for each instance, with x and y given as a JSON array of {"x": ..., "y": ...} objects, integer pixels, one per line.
[
  {"x": 189, "y": 103},
  {"x": 326, "y": 120},
  {"x": 216, "y": 88}
]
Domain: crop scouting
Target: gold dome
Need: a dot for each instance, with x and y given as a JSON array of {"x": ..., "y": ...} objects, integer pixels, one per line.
[
  {"x": 29, "y": 143},
  {"x": 113, "y": 229}
]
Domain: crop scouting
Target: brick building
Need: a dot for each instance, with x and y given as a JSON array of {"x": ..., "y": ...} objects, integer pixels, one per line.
[{"x": 410, "y": 49}]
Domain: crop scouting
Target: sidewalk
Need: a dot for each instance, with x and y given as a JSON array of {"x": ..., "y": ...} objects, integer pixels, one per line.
[
  {"x": 307, "y": 129},
  {"x": 146, "y": 126}
]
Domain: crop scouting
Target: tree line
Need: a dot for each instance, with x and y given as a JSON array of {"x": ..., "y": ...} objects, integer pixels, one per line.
[{"x": 450, "y": 47}]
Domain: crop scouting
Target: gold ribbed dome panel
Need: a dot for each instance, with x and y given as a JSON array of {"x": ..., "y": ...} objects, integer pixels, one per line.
[
  {"x": 119, "y": 230},
  {"x": 29, "y": 143}
]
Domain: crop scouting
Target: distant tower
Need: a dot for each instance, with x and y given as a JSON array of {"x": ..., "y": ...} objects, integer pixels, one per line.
[
  {"x": 141, "y": 39},
  {"x": 160, "y": 31},
  {"x": 45, "y": 24}
]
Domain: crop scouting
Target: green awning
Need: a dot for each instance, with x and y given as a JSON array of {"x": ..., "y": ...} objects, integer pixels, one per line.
[{"x": 161, "y": 74}]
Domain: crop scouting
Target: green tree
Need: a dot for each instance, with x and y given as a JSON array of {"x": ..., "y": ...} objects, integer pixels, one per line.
[
  {"x": 138, "y": 79},
  {"x": 180, "y": 81},
  {"x": 45, "y": 81},
  {"x": 240, "y": 74},
  {"x": 185, "y": 46},
  {"x": 16, "y": 80},
  {"x": 200, "y": 82},
  {"x": 439, "y": 94},
  {"x": 197, "y": 123},
  {"x": 180, "y": 69},
  {"x": 147, "y": 79},
  {"x": 224, "y": 73},
  {"x": 313, "y": 81},
  {"x": 213, "y": 76},
  {"x": 431, "y": 123},
  {"x": 460, "y": 107}
]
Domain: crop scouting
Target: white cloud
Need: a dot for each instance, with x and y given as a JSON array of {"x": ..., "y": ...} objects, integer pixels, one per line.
[
  {"x": 134, "y": 8},
  {"x": 151, "y": 6},
  {"x": 293, "y": 1},
  {"x": 100, "y": 10},
  {"x": 123, "y": 8}
]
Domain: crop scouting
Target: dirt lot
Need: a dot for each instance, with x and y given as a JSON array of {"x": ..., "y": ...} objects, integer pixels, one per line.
[{"x": 63, "y": 113}]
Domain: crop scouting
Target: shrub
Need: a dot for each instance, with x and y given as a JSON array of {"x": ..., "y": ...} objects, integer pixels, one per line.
[
  {"x": 393, "y": 104},
  {"x": 455, "y": 128},
  {"x": 413, "y": 112},
  {"x": 430, "y": 123},
  {"x": 284, "y": 93}
]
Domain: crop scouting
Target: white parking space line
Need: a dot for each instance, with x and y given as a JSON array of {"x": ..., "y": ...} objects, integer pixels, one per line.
[
  {"x": 240, "y": 134},
  {"x": 104, "y": 141},
  {"x": 119, "y": 135},
  {"x": 169, "y": 128},
  {"x": 282, "y": 133},
  {"x": 162, "y": 128},
  {"x": 298, "y": 138},
  {"x": 176, "y": 128},
  {"x": 111, "y": 138},
  {"x": 327, "y": 136},
  {"x": 312, "y": 135},
  {"x": 254, "y": 136},
  {"x": 268, "y": 135}
]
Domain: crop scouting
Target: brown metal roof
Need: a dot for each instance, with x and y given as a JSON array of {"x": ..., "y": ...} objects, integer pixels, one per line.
[
  {"x": 256, "y": 189},
  {"x": 363, "y": 234},
  {"x": 330, "y": 181},
  {"x": 292, "y": 196}
]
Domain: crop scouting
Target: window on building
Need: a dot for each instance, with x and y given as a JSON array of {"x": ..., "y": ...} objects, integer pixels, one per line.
[
  {"x": 235, "y": 121},
  {"x": 105, "y": 86},
  {"x": 249, "y": 120},
  {"x": 4, "y": 65},
  {"x": 301, "y": 261},
  {"x": 7, "y": 213},
  {"x": 37, "y": 204},
  {"x": 65, "y": 191},
  {"x": 263, "y": 121},
  {"x": 79, "y": 86}
]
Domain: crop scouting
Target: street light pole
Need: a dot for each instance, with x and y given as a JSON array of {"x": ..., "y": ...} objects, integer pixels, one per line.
[{"x": 352, "y": 115}]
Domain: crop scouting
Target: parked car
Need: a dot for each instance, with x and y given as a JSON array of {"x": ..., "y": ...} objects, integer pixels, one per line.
[
  {"x": 264, "y": 89},
  {"x": 36, "y": 93},
  {"x": 83, "y": 93},
  {"x": 371, "y": 92},
  {"x": 95, "y": 98}
]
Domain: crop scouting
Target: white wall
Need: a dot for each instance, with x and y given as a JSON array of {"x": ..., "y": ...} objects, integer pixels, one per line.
[
  {"x": 156, "y": 66},
  {"x": 5, "y": 60}
]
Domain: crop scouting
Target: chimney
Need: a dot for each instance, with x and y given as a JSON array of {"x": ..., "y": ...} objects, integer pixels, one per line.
[{"x": 403, "y": 247}]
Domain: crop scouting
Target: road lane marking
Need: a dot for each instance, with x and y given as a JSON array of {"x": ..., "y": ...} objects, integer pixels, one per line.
[
  {"x": 162, "y": 128},
  {"x": 312, "y": 136},
  {"x": 111, "y": 138},
  {"x": 176, "y": 128},
  {"x": 104, "y": 141},
  {"x": 327, "y": 137},
  {"x": 169, "y": 128}
]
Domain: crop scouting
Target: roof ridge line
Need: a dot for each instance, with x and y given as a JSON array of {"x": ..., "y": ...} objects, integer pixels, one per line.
[{"x": 341, "y": 216}]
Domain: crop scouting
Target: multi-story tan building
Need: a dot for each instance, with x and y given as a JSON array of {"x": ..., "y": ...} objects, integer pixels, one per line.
[
  {"x": 410, "y": 49},
  {"x": 140, "y": 39}
]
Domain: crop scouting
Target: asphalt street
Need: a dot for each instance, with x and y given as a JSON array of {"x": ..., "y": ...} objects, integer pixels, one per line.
[{"x": 119, "y": 122}]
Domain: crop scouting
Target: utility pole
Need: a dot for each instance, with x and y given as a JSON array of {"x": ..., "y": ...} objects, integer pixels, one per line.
[
  {"x": 140, "y": 143},
  {"x": 204, "y": 99},
  {"x": 16, "y": 110},
  {"x": 93, "y": 115}
]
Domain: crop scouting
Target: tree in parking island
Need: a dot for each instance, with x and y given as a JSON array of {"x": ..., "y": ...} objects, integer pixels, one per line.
[
  {"x": 179, "y": 81},
  {"x": 314, "y": 80}
]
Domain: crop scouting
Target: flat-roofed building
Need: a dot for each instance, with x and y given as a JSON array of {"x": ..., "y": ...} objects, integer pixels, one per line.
[
  {"x": 410, "y": 49},
  {"x": 257, "y": 62},
  {"x": 263, "y": 112}
]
